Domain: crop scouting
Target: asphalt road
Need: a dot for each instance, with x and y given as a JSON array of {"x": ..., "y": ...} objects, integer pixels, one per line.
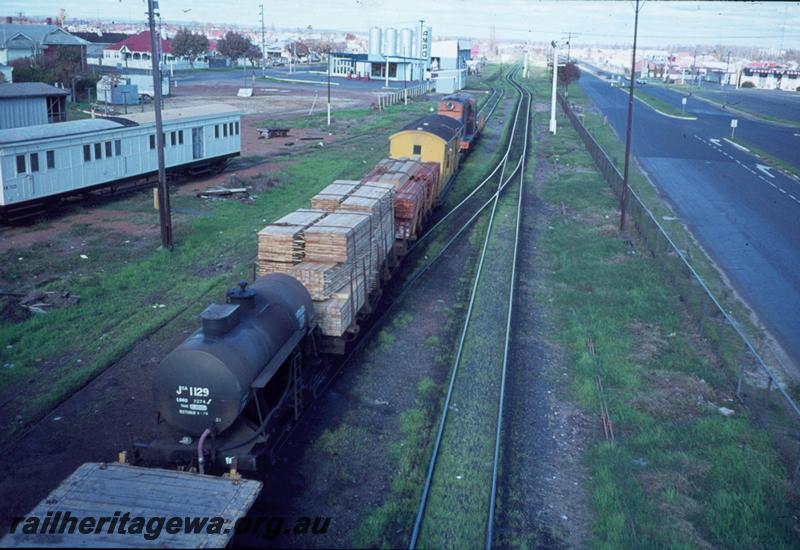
[
  {"x": 775, "y": 103},
  {"x": 747, "y": 217},
  {"x": 778, "y": 140}
]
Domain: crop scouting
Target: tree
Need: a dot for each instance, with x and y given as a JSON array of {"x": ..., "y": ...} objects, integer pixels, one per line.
[
  {"x": 234, "y": 46},
  {"x": 569, "y": 73},
  {"x": 253, "y": 54},
  {"x": 189, "y": 45}
]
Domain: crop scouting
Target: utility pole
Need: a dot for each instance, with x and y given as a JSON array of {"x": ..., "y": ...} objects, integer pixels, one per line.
[
  {"x": 555, "y": 84},
  {"x": 263, "y": 41},
  {"x": 164, "y": 212},
  {"x": 624, "y": 199}
]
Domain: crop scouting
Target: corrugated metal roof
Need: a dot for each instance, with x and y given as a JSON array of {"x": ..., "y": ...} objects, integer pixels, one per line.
[
  {"x": 59, "y": 129},
  {"x": 40, "y": 34},
  {"x": 186, "y": 113},
  {"x": 29, "y": 89},
  {"x": 439, "y": 125}
]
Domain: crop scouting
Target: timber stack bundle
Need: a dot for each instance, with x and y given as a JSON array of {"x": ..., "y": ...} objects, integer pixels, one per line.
[
  {"x": 343, "y": 241},
  {"x": 416, "y": 185},
  {"x": 281, "y": 244}
]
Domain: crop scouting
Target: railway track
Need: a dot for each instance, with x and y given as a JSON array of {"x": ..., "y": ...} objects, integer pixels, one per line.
[{"x": 457, "y": 504}]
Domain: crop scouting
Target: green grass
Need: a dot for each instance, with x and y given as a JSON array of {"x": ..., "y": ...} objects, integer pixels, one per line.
[
  {"x": 409, "y": 453},
  {"x": 659, "y": 104},
  {"x": 54, "y": 354},
  {"x": 679, "y": 474},
  {"x": 650, "y": 196}
]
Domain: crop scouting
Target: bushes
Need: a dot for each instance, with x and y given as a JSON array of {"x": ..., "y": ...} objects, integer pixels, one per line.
[{"x": 747, "y": 85}]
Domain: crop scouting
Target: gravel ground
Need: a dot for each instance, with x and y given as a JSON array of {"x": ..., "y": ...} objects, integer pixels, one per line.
[{"x": 544, "y": 499}]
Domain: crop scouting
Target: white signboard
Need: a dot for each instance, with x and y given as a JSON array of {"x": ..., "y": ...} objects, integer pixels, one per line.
[
  {"x": 683, "y": 101},
  {"x": 427, "y": 38},
  {"x": 734, "y": 123}
]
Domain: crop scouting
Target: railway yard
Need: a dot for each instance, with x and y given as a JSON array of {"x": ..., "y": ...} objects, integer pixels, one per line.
[{"x": 528, "y": 375}]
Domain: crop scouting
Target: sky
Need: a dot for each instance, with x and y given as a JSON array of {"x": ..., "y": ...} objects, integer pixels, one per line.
[{"x": 765, "y": 24}]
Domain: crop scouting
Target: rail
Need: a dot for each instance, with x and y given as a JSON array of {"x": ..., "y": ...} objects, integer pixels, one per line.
[
  {"x": 522, "y": 105},
  {"x": 732, "y": 344}
]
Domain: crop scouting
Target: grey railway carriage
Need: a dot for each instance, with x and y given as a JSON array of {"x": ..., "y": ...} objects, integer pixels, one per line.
[{"x": 51, "y": 161}]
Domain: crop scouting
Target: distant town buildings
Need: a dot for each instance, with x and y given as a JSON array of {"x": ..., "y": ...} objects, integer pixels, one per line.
[
  {"x": 770, "y": 76},
  {"x": 18, "y": 41},
  {"x": 134, "y": 52}
]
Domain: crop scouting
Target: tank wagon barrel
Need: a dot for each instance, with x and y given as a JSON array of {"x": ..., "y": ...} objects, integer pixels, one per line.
[{"x": 237, "y": 372}]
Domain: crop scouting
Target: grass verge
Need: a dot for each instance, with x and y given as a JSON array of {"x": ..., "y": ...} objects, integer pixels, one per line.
[{"x": 680, "y": 474}]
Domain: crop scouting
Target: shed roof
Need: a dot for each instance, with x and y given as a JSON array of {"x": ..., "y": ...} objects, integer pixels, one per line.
[
  {"x": 11, "y": 136},
  {"x": 439, "y": 125},
  {"x": 39, "y": 34},
  {"x": 29, "y": 89}
]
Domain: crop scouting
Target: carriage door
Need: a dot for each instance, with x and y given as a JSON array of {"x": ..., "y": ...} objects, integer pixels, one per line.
[{"x": 197, "y": 143}]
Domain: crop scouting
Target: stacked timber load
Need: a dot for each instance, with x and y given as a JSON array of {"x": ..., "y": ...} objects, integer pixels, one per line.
[
  {"x": 330, "y": 198},
  {"x": 409, "y": 204},
  {"x": 281, "y": 245},
  {"x": 416, "y": 185},
  {"x": 377, "y": 200},
  {"x": 338, "y": 313},
  {"x": 344, "y": 239}
]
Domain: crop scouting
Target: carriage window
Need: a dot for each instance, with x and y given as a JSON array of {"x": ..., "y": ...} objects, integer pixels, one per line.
[
  {"x": 20, "y": 164},
  {"x": 87, "y": 153},
  {"x": 152, "y": 141},
  {"x": 118, "y": 147},
  {"x": 108, "y": 148},
  {"x": 180, "y": 137},
  {"x": 98, "y": 151},
  {"x": 173, "y": 138},
  {"x": 230, "y": 128},
  {"x": 51, "y": 160},
  {"x": 418, "y": 149},
  {"x": 216, "y": 130},
  {"x": 34, "y": 162},
  {"x": 236, "y": 126},
  {"x": 225, "y": 130}
]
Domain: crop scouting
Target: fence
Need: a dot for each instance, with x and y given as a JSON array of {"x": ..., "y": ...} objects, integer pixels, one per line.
[
  {"x": 401, "y": 96},
  {"x": 756, "y": 383}
]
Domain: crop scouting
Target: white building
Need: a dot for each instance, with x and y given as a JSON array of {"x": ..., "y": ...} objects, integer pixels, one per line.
[{"x": 135, "y": 53}]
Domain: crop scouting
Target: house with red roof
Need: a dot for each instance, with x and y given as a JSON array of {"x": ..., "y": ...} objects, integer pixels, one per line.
[{"x": 134, "y": 52}]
